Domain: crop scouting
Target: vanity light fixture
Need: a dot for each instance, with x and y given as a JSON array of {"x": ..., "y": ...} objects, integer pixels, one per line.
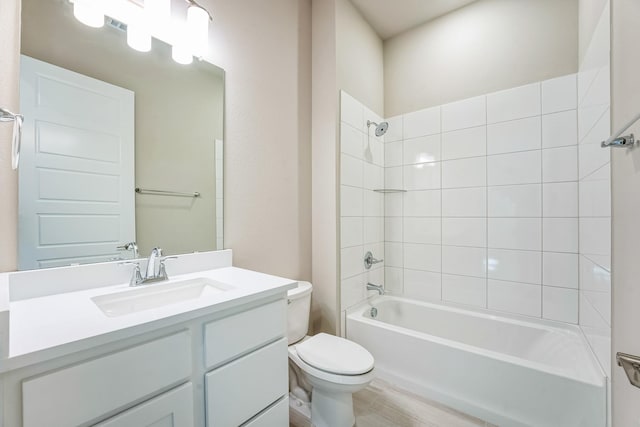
[
  {"x": 147, "y": 18},
  {"x": 89, "y": 12}
]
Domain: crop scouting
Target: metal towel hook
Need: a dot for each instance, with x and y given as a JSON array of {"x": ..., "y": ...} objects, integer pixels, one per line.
[
  {"x": 622, "y": 141},
  {"x": 18, "y": 120}
]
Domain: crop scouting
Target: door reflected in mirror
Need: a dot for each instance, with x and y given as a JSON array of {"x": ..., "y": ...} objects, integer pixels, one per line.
[{"x": 102, "y": 120}]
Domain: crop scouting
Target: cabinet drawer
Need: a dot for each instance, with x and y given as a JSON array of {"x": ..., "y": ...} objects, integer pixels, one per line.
[
  {"x": 238, "y": 391},
  {"x": 226, "y": 338},
  {"x": 81, "y": 393},
  {"x": 276, "y": 416},
  {"x": 171, "y": 409}
]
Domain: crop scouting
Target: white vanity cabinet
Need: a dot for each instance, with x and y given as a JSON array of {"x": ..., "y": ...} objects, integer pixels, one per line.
[{"x": 223, "y": 369}]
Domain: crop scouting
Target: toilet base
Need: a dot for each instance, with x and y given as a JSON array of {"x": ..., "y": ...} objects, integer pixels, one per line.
[
  {"x": 331, "y": 409},
  {"x": 299, "y": 412}
]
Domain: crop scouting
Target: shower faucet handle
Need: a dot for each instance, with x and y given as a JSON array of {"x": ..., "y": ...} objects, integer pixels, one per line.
[{"x": 369, "y": 260}]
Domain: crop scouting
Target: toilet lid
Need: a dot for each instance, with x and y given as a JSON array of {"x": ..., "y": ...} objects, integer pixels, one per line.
[{"x": 334, "y": 354}]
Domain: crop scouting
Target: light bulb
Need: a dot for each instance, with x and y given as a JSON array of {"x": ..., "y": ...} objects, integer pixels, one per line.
[
  {"x": 138, "y": 37},
  {"x": 198, "y": 25},
  {"x": 89, "y": 12}
]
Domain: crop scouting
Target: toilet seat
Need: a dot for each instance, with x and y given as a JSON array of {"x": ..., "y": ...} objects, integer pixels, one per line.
[
  {"x": 335, "y": 355},
  {"x": 337, "y": 379}
]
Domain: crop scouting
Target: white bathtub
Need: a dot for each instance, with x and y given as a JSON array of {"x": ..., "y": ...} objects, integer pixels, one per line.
[{"x": 508, "y": 370}]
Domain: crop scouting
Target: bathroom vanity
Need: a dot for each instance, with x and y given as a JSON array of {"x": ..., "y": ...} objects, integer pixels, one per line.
[{"x": 80, "y": 347}]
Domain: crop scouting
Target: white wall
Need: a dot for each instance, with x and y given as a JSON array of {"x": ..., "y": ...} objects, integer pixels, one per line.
[
  {"x": 9, "y": 98},
  {"x": 595, "y": 188},
  {"x": 625, "y": 63},
  {"x": 359, "y": 57},
  {"x": 486, "y": 46}
]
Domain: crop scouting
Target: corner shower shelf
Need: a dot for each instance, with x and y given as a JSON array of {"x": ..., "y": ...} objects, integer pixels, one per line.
[{"x": 389, "y": 190}]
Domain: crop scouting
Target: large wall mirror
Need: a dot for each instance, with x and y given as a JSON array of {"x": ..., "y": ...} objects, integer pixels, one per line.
[{"x": 119, "y": 145}]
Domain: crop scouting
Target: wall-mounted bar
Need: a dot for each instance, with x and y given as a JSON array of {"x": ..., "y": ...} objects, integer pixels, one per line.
[
  {"x": 18, "y": 120},
  {"x": 389, "y": 190},
  {"x": 616, "y": 140},
  {"x": 166, "y": 193}
]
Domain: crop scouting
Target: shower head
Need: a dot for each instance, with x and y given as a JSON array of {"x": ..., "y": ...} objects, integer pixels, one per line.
[{"x": 381, "y": 128}]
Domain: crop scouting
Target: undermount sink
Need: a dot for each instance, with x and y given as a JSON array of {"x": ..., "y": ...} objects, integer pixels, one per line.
[{"x": 157, "y": 295}]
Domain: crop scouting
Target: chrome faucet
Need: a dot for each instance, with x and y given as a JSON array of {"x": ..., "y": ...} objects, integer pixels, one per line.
[
  {"x": 155, "y": 272},
  {"x": 372, "y": 287}
]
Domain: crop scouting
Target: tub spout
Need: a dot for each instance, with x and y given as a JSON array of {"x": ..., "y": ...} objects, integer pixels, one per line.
[{"x": 372, "y": 287}]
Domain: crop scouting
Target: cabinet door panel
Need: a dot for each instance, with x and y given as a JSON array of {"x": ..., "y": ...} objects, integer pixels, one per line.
[
  {"x": 171, "y": 409},
  {"x": 241, "y": 389},
  {"x": 275, "y": 416}
]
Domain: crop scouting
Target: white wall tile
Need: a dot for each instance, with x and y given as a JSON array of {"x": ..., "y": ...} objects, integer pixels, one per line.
[
  {"x": 464, "y": 173},
  {"x": 373, "y": 203},
  {"x": 393, "y": 177},
  {"x": 425, "y": 176},
  {"x": 392, "y": 204},
  {"x": 601, "y": 301},
  {"x": 515, "y": 233},
  {"x": 560, "y": 164},
  {"x": 516, "y": 103},
  {"x": 352, "y": 291},
  {"x": 393, "y": 280},
  {"x": 421, "y": 123},
  {"x": 393, "y": 229},
  {"x": 464, "y": 202},
  {"x": 595, "y": 198},
  {"x": 560, "y": 199},
  {"x": 560, "y": 129},
  {"x": 464, "y": 232},
  {"x": 422, "y": 257},
  {"x": 514, "y": 136},
  {"x": 351, "y": 201},
  {"x": 515, "y": 201},
  {"x": 373, "y": 230},
  {"x": 560, "y": 235},
  {"x": 422, "y": 230},
  {"x": 595, "y": 236},
  {"x": 393, "y": 254},
  {"x": 515, "y": 266},
  {"x": 559, "y": 94},
  {"x": 351, "y": 171},
  {"x": 351, "y": 141},
  {"x": 373, "y": 176},
  {"x": 351, "y": 111},
  {"x": 593, "y": 277},
  {"x": 464, "y": 290},
  {"x": 422, "y": 203},
  {"x": 516, "y": 168},
  {"x": 422, "y": 285},
  {"x": 351, "y": 232},
  {"x": 464, "y": 114},
  {"x": 422, "y": 150},
  {"x": 560, "y": 270},
  {"x": 374, "y": 151},
  {"x": 593, "y": 123},
  {"x": 515, "y": 297},
  {"x": 351, "y": 261},
  {"x": 394, "y": 132},
  {"x": 393, "y": 154},
  {"x": 560, "y": 304},
  {"x": 471, "y": 142},
  {"x": 464, "y": 261}
]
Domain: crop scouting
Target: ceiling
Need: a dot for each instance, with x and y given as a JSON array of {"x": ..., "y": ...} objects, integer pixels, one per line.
[{"x": 392, "y": 17}]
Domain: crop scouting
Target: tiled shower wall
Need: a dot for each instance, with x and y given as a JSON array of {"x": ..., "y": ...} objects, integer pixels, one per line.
[
  {"x": 595, "y": 192},
  {"x": 490, "y": 215},
  {"x": 361, "y": 208}
]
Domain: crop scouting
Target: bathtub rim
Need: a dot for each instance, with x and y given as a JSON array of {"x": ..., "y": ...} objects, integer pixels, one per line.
[{"x": 357, "y": 313}]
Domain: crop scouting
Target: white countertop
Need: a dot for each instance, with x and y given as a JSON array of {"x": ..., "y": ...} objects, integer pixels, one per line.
[{"x": 71, "y": 319}]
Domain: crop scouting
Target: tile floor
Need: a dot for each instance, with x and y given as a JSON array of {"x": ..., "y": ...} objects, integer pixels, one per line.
[{"x": 383, "y": 405}]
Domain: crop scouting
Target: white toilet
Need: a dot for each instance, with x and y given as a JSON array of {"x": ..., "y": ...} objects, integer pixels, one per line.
[{"x": 324, "y": 370}]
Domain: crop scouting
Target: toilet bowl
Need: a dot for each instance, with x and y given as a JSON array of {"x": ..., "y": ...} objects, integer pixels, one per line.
[{"x": 326, "y": 370}]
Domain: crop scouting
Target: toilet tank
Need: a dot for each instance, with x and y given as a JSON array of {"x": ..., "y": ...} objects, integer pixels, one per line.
[{"x": 298, "y": 311}]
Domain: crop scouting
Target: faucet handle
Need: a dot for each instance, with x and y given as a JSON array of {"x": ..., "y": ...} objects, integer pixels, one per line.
[
  {"x": 162, "y": 273},
  {"x": 136, "y": 277}
]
